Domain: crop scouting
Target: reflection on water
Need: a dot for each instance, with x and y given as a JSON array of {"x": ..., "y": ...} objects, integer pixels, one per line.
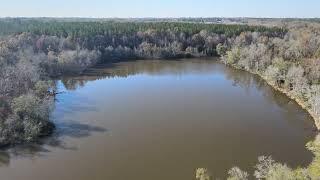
[
  {"x": 162, "y": 120},
  {"x": 151, "y": 67}
]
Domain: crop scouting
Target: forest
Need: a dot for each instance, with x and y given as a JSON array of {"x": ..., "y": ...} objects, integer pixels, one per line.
[{"x": 34, "y": 51}]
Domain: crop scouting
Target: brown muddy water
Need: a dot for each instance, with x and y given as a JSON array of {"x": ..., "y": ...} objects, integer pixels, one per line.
[{"x": 161, "y": 120}]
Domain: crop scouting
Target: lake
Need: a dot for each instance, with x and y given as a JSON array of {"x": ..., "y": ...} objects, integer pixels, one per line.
[{"x": 161, "y": 120}]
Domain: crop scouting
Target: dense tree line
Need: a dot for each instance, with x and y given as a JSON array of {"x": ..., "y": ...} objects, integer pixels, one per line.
[
  {"x": 290, "y": 64},
  {"x": 118, "y": 40},
  {"x": 68, "y": 27}
]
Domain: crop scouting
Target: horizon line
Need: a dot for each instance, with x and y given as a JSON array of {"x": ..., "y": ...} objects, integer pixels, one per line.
[{"x": 146, "y": 17}]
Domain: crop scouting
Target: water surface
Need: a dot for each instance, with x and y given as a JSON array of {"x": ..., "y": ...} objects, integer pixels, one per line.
[{"x": 161, "y": 120}]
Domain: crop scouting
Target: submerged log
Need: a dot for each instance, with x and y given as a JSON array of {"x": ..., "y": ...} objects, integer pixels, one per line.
[{"x": 54, "y": 93}]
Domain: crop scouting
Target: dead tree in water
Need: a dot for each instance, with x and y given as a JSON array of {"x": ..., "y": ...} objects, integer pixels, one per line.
[{"x": 53, "y": 93}]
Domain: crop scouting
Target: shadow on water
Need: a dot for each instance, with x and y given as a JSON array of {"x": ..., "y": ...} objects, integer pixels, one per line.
[
  {"x": 55, "y": 141},
  {"x": 78, "y": 130}
]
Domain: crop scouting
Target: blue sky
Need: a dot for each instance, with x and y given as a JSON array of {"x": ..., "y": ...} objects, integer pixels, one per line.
[{"x": 160, "y": 8}]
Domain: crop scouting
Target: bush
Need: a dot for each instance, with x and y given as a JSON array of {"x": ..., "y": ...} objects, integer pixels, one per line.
[
  {"x": 314, "y": 167},
  {"x": 272, "y": 74},
  {"x": 264, "y": 165},
  {"x": 237, "y": 174},
  {"x": 202, "y": 174},
  {"x": 221, "y": 49},
  {"x": 278, "y": 171},
  {"x": 233, "y": 56},
  {"x": 30, "y": 120},
  {"x": 42, "y": 88}
]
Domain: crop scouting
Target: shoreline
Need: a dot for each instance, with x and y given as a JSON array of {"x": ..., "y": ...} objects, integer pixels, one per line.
[
  {"x": 285, "y": 92},
  {"x": 297, "y": 100}
]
